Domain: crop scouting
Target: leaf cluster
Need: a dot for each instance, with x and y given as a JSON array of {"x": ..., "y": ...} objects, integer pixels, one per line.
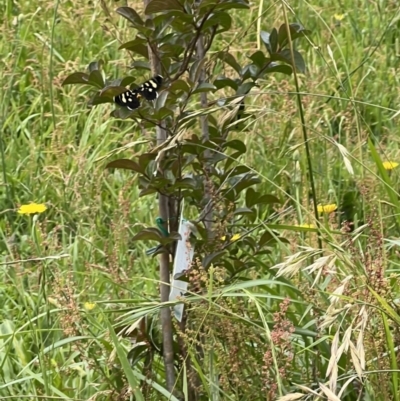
[{"x": 188, "y": 165}]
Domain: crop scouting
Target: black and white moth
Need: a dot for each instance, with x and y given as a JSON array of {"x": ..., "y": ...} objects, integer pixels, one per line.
[{"x": 131, "y": 98}]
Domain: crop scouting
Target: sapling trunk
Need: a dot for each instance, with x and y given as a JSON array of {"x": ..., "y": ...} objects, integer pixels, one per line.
[{"x": 165, "y": 314}]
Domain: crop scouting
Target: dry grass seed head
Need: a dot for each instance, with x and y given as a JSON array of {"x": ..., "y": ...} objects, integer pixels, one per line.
[{"x": 63, "y": 291}]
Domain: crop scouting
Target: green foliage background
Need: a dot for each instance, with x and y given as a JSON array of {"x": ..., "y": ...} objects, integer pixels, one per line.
[{"x": 72, "y": 277}]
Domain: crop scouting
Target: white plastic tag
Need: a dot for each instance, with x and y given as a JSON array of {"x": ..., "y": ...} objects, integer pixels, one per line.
[{"x": 183, "y": 261}]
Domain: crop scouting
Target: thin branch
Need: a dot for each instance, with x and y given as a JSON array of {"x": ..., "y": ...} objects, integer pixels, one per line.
[
  {"x": 211, "y": 39},
  {"x": 190, "y": 49}
]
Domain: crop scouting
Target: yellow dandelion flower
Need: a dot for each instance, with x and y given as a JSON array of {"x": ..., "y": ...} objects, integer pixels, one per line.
[
  {"x": 89, "y": 306},
  {"x": 223, "y": 238},
  {"x": 32, "y": 208},
  {"x": 389, "y": 165},
  {"x": 327, "y": 208},
  {"x": 339, "y": 17}
]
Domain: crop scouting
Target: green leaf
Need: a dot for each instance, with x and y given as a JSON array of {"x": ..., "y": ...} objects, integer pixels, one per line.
[
  {"x": 95, "y": 66},
  {"x": 258, "y": 58},
  {"x": 298, "y": 28},
  {"x": 171, "y": 50},
  {"x": 282, "y": 36},
  {"x": 131, "y": 15},
  {"x": 138, "y": 352},
  {"x": 209, "y": 259},
  {"x": 270, "y": 40},
  {"x": 112, "y": 91},
  {"x": 114, "y": 82},
  {"x": 149, "y": 234},
  {"x": 126, "y": 164},
  {"x": 224, "y": 5},
  {"x": 196, "y": 69},
  {"x": 230, "y": 60},
  {"x": 249, "y": 71},
  {"x": 254, "y": 198},
  {"x": 246, "y": 181},
  {"x": 266, "y": 239},
  {"x": 126, "y": 81},
  {"x": 173, "y": 236},
  {"x": 96, "y": 79},
  {"x": 162, "y": 113},
  {"x": 223, "y": 82},
  {"x": 274, "y": 40},
  {"x": 286, "y": 56},
  {"x": 284, "y": 69},
  {"x": 268, "y": 199},
  {"x": 175, "y": 19},
  {"x": 156, "y": 6},
  {"x": 296, "y": 31},
  {"x": 204, "y": 87},
  {"x": 233, "y": 4},
  {"x": 136, "y": 46},
  {"x": 185, "y": 183},
  {"x": 179, "y": 85},
  {"x": 182, "y": 276},
  {"x": 147, "y": 191},
  {"x": 146, "y": 158},
  {"x": 156, "y": 250},
  {"x": 219, "y": 18},
  {"x": 245, "y": 88},
  {"x": 251, "y": 197},
  {"x": 139, "y": 64},
  {"x": 161, "y": 99},
  {"x": 238, "y": 170},
  {"x": 98, "y": 99},
  {"x": 77, "y": 78},
  {"x": 237, "y": 145},
  {"x": 242, "y": 210}
]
